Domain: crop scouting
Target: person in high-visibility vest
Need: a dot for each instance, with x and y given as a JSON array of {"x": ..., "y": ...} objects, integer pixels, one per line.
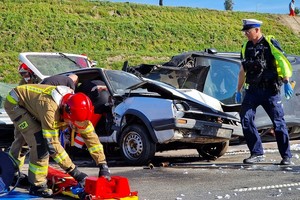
[{"x": 264, "y": 70}]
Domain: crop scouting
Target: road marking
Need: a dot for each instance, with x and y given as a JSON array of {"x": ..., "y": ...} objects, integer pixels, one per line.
[{"x": 267, "y": 187}]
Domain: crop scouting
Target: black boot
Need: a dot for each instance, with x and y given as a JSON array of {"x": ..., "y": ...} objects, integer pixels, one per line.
[
  {"x": 78, "y": 176},
  {"x": 22, "y": 180},
  {"x": 104, "y": 171},
  {"x": 41, "y": 191}
]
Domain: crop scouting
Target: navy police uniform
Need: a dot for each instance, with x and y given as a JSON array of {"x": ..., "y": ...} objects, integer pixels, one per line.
[{"x": 262, "y": 88}]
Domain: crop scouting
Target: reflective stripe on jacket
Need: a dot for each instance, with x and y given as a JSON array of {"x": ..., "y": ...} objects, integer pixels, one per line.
[{"x": 38, "y": 100}]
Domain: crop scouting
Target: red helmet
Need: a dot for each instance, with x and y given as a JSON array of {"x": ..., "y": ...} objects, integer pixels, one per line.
[
  {"x": 23, "y": 68},
  {"x": 77, "y": 107},
  {"x": 25, "y": 72}
]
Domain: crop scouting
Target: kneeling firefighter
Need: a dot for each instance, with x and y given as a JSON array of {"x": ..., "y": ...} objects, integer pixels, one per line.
[{"x": 39, "y": 112}]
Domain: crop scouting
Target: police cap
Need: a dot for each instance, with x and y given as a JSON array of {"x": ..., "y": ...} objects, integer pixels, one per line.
[{"x": 251, "y": 23}]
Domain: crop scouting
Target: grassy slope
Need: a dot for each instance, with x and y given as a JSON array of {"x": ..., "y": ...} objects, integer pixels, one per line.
[{"x": 114, "y": 32}]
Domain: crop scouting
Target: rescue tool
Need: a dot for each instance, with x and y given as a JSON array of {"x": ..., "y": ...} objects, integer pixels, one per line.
[{"x": 96, "y": 188}]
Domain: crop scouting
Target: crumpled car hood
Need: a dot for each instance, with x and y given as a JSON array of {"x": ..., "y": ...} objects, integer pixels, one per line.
[{"x": 208, "y": 104}]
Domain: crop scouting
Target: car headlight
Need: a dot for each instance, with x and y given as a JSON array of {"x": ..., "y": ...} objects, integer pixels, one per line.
[{"x": 180, "y": 108}]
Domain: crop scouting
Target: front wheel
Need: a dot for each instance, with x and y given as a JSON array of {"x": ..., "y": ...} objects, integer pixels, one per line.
[
  {"x": 213, "y": 151},
  {"x": 137, "y": 148}
]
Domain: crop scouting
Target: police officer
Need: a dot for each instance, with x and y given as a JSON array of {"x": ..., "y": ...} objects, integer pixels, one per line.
[
  {"x": 264, "y": 69},
  {"x": 39, "y": 111}
]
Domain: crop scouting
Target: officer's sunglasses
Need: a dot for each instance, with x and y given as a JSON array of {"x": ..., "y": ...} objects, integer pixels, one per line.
[{"x": 247, "y": 32}]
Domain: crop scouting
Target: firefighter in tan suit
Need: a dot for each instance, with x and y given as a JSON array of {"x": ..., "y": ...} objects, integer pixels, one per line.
[
  {"x": 29, "y": 77},
  {"x": 39, "y": 111}
]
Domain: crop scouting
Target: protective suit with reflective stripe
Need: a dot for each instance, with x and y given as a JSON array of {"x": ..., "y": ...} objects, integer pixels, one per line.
[{"x": 34, "y": 110}]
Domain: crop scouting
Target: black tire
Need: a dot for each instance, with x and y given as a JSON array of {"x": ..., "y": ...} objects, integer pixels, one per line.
[
  {"x": 137, "y": 148},
  {"x": 213, "y": 151}
]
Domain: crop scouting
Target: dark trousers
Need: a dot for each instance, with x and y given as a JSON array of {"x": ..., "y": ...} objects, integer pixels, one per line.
[{"x": 273, "y": 106}]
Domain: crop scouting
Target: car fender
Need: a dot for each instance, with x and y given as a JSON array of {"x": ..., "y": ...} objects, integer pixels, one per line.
[{"x": 145, "y": 121}]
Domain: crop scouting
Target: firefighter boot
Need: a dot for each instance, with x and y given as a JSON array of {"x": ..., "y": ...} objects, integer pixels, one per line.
[
  {"x": 104, "y": 171},
  {"x": 21, "y": 179},
  {"x": 78, "y": 176},
  {"x": 41, "y": 191}
]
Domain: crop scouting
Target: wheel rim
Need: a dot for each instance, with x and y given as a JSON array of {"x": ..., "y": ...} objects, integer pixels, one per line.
[{"x": 133, "y": 145}]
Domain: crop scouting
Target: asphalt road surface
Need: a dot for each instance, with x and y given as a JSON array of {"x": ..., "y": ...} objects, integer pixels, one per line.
[{"x": 180, "y": 175}]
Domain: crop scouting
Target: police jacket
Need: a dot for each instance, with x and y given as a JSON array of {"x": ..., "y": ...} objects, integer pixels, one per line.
[{"x": 270, "y": 59}]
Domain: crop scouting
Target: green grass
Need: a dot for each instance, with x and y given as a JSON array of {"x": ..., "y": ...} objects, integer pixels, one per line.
[{"x": 111, "y": 33}]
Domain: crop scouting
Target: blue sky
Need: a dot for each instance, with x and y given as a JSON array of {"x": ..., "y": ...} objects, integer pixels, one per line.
[{"x": 262, "y": 6}]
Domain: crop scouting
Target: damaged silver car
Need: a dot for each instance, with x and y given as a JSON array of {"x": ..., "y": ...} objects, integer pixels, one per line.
[{"x": 143, "y": 116}]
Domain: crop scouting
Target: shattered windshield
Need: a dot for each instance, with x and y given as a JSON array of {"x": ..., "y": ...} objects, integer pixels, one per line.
[
  {"x": 121, "y": 81},
  {"x": 54, "y": 64},
  {"x": 212, "y": 76}
]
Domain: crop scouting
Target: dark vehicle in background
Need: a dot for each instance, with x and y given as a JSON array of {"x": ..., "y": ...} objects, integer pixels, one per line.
[{"x": 215, "y": 74}]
